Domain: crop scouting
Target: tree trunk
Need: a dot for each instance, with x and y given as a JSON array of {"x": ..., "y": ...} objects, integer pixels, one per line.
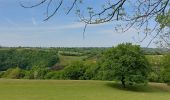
[{"x": 123, "y": 82}]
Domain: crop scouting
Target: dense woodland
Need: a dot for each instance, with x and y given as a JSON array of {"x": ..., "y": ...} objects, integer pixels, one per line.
[{"x": 70, "y": 63}]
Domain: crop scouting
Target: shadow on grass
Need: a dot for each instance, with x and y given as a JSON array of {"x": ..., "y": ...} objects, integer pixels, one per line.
[{"x": 152, "y": 87}]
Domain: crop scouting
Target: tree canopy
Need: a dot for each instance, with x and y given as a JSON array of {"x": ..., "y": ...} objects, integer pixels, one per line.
[
  {"x": 27, "y": 58},
  {"x": 125, "y": 63}
]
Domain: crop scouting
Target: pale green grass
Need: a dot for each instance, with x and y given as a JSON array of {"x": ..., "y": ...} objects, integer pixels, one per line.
[
  {"x": 154, "y": 58},
  {"x": 66, "y": 60},
  {"x": 78, "y": 90}
]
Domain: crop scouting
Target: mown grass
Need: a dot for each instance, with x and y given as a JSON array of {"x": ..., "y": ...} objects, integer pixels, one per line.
[{"x": 78, "y": 90}]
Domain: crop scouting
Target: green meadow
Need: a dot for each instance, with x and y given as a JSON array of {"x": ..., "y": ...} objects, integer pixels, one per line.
[{"x": 79, "y": 90}]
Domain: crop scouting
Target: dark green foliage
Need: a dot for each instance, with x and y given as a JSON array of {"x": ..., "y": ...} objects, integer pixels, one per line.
[
  {"x": 125, "y": 63},
  {"x": 75, "y": 71},
  {"x": 40, "y": 63},
  {"x": 52, "y": 60},
  {"x": 26, "y": 58}
]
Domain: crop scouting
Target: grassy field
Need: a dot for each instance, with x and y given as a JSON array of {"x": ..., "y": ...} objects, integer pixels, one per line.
[
  {"x": 66, "y": 60},
  {"x": 78, "y": 90},
  {"x": 155, "y": 58}
]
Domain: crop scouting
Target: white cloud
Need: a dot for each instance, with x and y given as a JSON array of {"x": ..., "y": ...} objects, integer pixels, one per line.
[
  {"x": 77, "y": 25},
  {"x": 44, "y": 28}
]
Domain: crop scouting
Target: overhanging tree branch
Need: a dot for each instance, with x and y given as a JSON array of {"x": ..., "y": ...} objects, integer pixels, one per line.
[{"x": 144, "y": 12}]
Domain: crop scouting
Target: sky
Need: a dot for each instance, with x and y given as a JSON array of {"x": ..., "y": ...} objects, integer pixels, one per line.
[{"x": 25, "y": 27}]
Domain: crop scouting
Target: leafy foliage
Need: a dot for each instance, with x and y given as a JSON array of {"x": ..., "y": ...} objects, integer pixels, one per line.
[
  {"x": 164, "y": 20},
  {"x": 166, "y": 68},
  {"x": 74, "y": 71},
  {"x": 36, "y": 63},
  {"x": 26, "y": 58},
  {"x": 13, "y": 73},
  {"x": 156, "y": 67},
  {"x": 125, "y": 63}
]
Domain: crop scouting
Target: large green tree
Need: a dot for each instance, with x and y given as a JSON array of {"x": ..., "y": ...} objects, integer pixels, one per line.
[{"x": 126, "y": 63}]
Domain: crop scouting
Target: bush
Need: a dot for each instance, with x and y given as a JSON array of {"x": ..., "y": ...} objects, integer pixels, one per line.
[
  {"x": 90, "y": 73},
  {"x": 36, "y": 73},
  {"x": 105, "y": 72},
  {"x": 28, "y": 74},
  {"x": 54, "y": 75},
  {"x": 1, "y": 74},
  {"x": 14, "y": 73},
  {"x": 153, "y": 77},
  {"x": 74, "y": 71}
]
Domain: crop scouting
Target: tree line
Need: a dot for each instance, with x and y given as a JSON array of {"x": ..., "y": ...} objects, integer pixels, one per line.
[
  {"x": 26, "y": 58},
  {"x": 125, "y": 63}
]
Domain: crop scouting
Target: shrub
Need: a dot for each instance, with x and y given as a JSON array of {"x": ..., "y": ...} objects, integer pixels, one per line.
[
  {"x": 54, "y": 75},
  {"x": 36, "y": 73},
  {"x": 1, "y": 74},
  {"x": 166, "y": 68},
  {"x": 153, "y": 77},
  {"x": 74, "y": 71},
  {"x": 14, "y": 73},
  {"x": 90, "y": 73}
]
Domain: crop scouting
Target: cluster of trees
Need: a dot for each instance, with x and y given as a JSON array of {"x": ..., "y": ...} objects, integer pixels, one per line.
[
  {"x": 75, "y": 71},
  {"x": 18, "y": 73},
  {"x": 26, "y": 58},
  {"x": 160, "y": 68},
  {"x": 125, "y": 63}
]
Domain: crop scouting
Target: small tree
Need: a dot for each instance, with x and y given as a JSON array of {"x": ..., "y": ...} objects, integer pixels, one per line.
[{"x": 126, "y": 63}]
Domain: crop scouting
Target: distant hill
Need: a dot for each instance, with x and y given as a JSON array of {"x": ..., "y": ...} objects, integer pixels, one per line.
[{"x": 155, "y": 51}]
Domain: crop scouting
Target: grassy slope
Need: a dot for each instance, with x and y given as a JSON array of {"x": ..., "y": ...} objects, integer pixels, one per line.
[
  {"x": 65, "y": 60},
  {"x": 154, "y": 57},
  {"x": 77, "y": 90}
]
